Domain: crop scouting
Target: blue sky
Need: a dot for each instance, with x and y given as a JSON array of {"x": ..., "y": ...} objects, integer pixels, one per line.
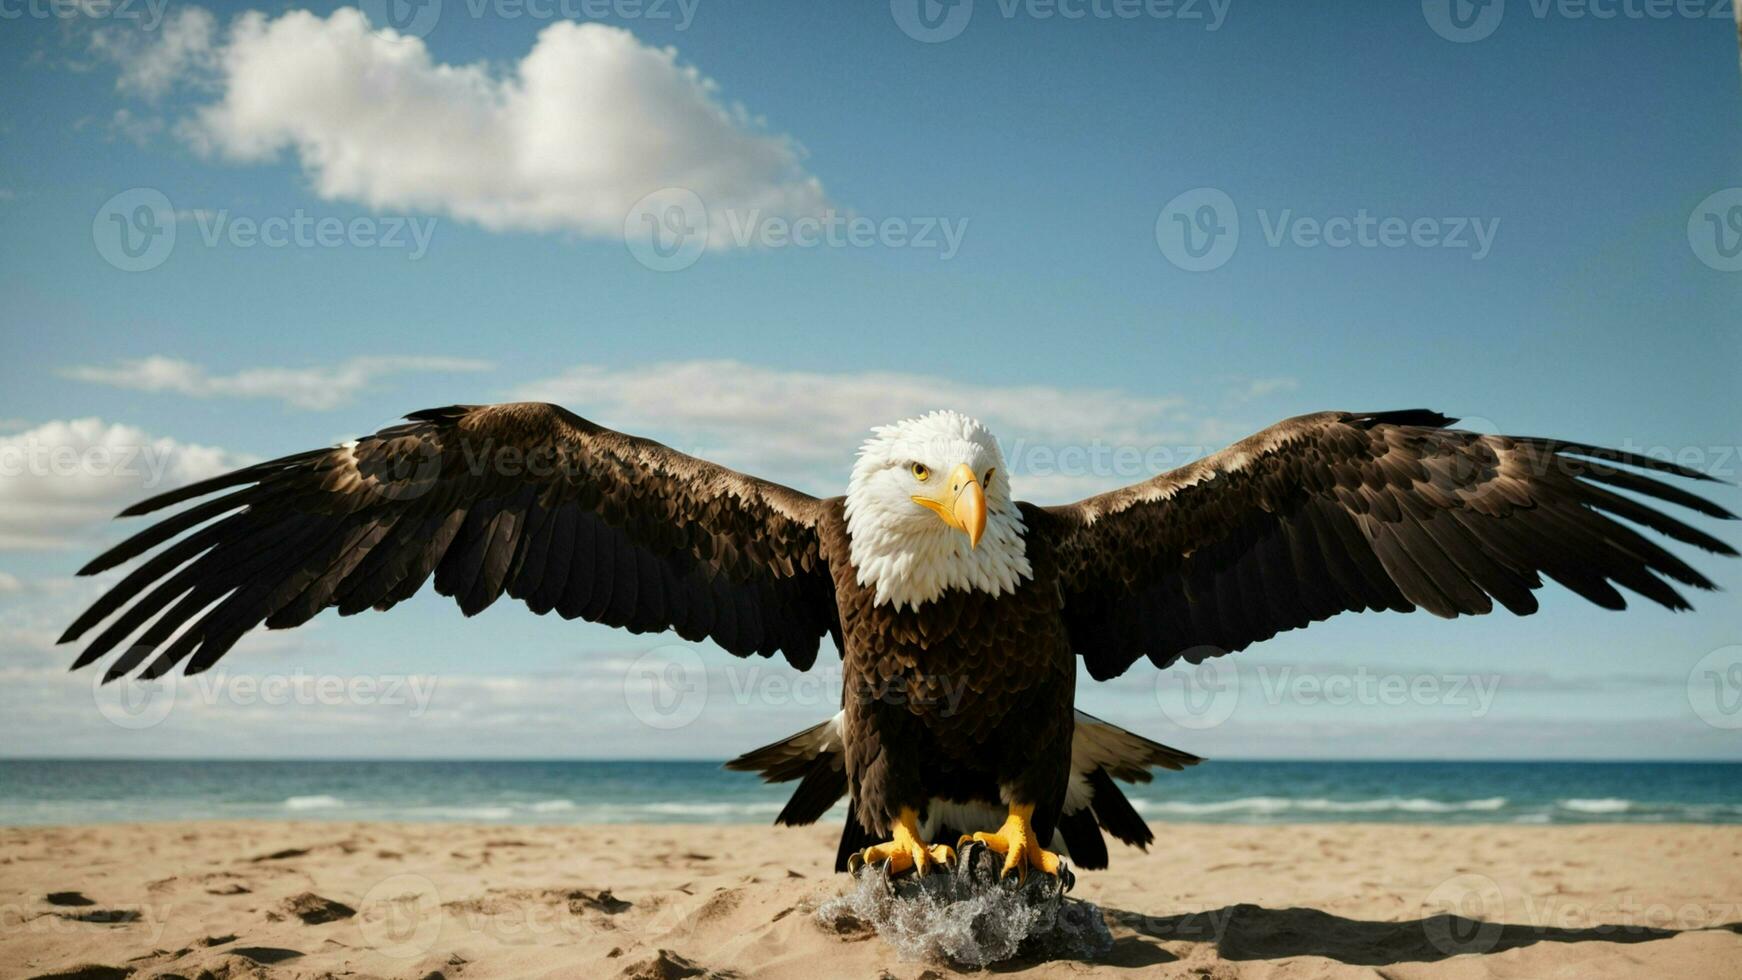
[{"x": 1554, "y": 177}]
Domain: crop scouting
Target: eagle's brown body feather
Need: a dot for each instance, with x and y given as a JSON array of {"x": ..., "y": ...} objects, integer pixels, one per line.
[{"x": 968, "y": 698}]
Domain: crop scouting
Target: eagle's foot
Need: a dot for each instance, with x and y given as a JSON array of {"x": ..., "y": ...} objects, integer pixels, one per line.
[
  {"x": 1016, "y": 841},
  {"x": 905, "y": 850}
]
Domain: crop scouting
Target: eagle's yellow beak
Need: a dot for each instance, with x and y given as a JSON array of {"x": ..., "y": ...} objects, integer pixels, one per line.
[{"x": 962, "y": 504}]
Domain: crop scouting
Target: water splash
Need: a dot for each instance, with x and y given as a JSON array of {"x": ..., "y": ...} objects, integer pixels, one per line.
[{"x": 968, "y": 916}]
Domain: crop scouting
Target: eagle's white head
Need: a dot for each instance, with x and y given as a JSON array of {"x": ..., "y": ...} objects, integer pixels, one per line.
[{"x": 929, "y": 509}]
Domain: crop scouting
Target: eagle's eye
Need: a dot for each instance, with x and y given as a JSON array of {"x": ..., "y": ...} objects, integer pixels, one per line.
[
  {"x": 988, "y": 481},
  {"x": 920, "y": 471}
]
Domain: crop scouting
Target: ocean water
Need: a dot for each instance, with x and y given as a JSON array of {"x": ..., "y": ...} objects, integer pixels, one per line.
[{"x": 96, "y": 791}]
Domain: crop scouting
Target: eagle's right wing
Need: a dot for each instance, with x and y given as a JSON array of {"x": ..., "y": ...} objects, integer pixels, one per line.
[
  {"x": 527, "y": 498},
  {"x": 1341, "y": 512}
]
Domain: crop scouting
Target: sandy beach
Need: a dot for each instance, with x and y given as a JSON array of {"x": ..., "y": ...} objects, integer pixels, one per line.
[{"x": 468, "y": 902}]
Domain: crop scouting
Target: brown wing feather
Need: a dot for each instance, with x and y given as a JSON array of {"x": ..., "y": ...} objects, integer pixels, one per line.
[
  {"x": 1339, "y": 512},
  {"x": 527, "y": 499}
]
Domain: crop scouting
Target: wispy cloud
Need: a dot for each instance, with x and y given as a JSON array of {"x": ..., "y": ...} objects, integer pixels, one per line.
[
  {"x": 804, "y": 426},
  {"x": 151, "y": 62},
  {"x": 568, "y": 138},
  {"x": 318, "y": 388},
  {"x": 61, "y": 481},
  {"x": 1262, "y": 387}
]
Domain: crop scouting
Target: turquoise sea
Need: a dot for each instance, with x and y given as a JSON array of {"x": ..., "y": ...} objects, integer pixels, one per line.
[{"x": 95, "y": 791}]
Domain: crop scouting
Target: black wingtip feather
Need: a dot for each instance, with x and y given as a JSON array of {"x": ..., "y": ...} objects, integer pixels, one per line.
[
  {"x": 445, "y": 413},
  {"x": 1425, "y": 417},
  {"x": 1621, "y": 456},
  {"x": 246, "y": 474}
]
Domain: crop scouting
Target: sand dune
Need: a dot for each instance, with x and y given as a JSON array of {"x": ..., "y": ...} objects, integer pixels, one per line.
[{"x": 466, "y": 902}]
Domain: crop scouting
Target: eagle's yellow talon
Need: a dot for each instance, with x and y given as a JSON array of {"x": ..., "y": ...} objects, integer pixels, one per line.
[
  {"x": 1015, "y": 840},
  {"x": 906, "y": 850}
]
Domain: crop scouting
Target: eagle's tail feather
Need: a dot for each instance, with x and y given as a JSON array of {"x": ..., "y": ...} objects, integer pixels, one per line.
[
  {"x": 822, "y": 787},
  {"x": 789, "y": 758},
  {"x": 854, "y": 838},
  {"x": 813, "y": 757},
  {"x": 1083, "y": 840},
  {"x": 1115, "y": 813},
  {"x": 1101, "y": 753}
]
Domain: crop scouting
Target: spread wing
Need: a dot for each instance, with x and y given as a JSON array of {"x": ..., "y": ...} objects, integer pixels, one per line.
[
  {"x": 1337, "y": 512},
  {"x": 527, "y": 499}
]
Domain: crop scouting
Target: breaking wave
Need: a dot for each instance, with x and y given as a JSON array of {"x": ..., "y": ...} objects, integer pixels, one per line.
[
  {"x": 1607, "y": 805},
  {"x": 1278, "y": 804},
  {"x": 710, "y": 809},
  {"x": 321, "y": 802}
]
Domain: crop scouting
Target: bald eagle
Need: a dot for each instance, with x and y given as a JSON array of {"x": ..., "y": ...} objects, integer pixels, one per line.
[{"x": 960, "y": 613}]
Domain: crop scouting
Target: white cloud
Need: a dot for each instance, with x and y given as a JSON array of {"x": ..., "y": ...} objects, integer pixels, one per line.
[
  {"x": 152, "y": 62},
  {"x": 135, "y": 129},
  {"x": 804, "y": 427},
  {"x": 61, "y": 481},
  {"x": 310, "y": 388},
  {"x": 1262, "y": 388},
  {"x": 567, "y": 139}
]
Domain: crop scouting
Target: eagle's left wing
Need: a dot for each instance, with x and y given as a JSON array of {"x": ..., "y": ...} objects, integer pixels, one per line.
[
  {"x": 1338, "y": 512},
  {"x": 527, "y": 499}
]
